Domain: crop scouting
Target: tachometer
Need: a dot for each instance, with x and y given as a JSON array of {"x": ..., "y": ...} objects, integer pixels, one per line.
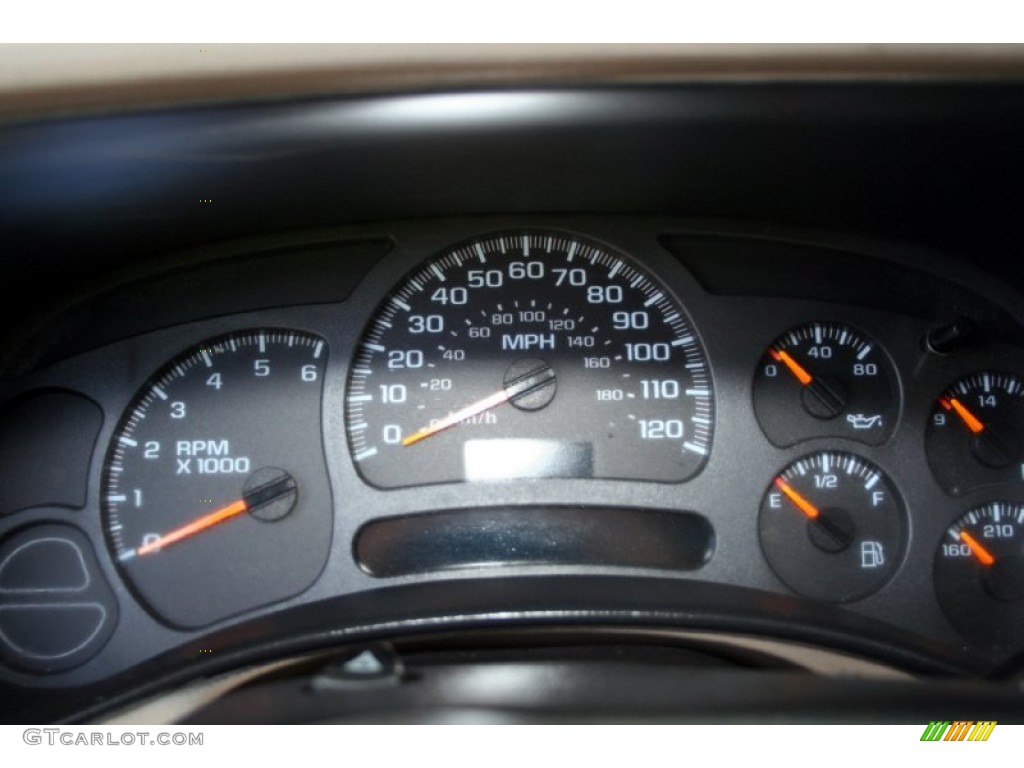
[
  {"x": 527, "y": 355},
  {"x": 215, "y": 493}
]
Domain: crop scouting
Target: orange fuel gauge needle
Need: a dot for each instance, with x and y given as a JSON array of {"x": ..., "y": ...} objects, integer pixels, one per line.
[
  {"x": 973, "y": 422},
  {"x": 198, "y": 525},
  {"x": 799, "y": 501},
  {"x": 984, "y": 556},
  {"x": 781, "y": 356}
]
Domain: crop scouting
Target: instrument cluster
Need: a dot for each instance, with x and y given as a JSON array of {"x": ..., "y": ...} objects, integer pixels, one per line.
[{"x": 500, "y": 399}]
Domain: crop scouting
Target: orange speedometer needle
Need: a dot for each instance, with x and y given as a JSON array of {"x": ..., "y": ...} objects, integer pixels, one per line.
[
  {"x": 522, "y": 380},
  {"x": 198, "y": 525},
  {"x": 973, "y": 422},
  {"x": 984, "y": 556},
  {"x": 798, "y": 501},
  {"x": 484, "y": 404},
  {"x": 794, "y": 367}
]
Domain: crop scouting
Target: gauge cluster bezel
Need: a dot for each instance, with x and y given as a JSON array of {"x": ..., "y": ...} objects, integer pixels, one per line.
[{"x": 735, "y": 331}]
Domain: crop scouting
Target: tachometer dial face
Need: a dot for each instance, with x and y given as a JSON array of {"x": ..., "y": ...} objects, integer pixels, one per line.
[
  {"x": 833, "y": 526},
  {"x": 979, "y": 574},
  {"x": 825, "y": 380},
  {"x": 215, "y": 493},
  {"x": 975, "y": 433},
  {"x": 528, "y": 355}
]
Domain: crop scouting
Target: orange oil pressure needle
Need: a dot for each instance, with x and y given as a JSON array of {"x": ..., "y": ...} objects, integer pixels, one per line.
[
  {"x": 983, "y": 555},
  {"x": 973, "y": 422},
  {"x": 798, "y": 501},
  {"x": 485, "y": 404},
  {"x": 233, "y": 509},
  {"x": 794, "y": 367}
]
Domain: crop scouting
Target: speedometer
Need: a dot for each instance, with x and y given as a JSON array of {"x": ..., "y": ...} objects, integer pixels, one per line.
[{"x": 531, "y": 354}]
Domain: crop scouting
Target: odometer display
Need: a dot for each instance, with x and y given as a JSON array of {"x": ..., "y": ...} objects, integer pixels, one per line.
[{"x": 529, "y": 355}]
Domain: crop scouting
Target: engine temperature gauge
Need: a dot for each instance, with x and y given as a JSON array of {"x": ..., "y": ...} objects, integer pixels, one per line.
[
  {"x": 979, "y": 574},
  {"x": 825, "y": 380}
]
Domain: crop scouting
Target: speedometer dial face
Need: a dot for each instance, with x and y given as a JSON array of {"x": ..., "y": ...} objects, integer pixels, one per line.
[
  {"x": 527, "y": 355},
  {"x": 215, "y": 493}
]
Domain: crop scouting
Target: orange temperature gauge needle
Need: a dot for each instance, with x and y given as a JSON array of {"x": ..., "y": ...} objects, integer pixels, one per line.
[
  {"x": 984, "y": 556},
  {"x": 973, "y": 422},
  {"x": 198, "y": 525},
  {"x": 795, "y": 368},
  {"x": 798, "y": 501},
  {"x": 485, "y": 404}
]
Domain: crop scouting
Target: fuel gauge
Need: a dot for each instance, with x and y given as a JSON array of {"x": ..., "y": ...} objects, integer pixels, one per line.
[{"x": 833, "y": 527}]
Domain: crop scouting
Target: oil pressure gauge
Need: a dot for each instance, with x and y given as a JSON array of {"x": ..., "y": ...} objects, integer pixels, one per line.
[{"x": 825, "y": 380}]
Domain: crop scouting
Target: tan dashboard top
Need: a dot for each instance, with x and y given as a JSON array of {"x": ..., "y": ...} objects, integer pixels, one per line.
[{"x": 47, "y": 80}]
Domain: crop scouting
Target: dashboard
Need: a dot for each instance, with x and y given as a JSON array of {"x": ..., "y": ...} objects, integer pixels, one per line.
[{"x": 703, "y": 368}]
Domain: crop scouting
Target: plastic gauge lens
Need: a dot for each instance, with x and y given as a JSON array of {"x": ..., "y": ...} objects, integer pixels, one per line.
[
  {"x": 215, "y": 492},
  {"x": 974, "y": 434},
  {"x": 529, "y": 355},
  {"x": 825, "y": 380},
  {"x": 833, "y": 527},
  {"x": 979, "y": 574}
]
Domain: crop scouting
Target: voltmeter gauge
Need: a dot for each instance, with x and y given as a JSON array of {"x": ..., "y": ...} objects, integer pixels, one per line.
[
  {"x": 825, "y": 380},
  {"x": 833, "y": 526},
  {"x": 215, "y": 492},
  {"x": 975, "y": 433},
  {"x": 979, "y": 574}
]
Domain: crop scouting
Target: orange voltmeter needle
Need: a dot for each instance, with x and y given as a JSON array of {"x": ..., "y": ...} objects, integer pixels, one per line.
[
  {"x": 794, "y": 367},
  {"x": 984, "y": 556},
  {"x": 484, "y": 404},
  {"x": 973, "y": 422},
  {"x": 198, "y": 525},
  {"x": 798, "y": 501}
]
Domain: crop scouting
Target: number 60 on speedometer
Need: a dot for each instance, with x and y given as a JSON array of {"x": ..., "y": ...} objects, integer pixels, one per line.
[{"x": 529, "y": 355}]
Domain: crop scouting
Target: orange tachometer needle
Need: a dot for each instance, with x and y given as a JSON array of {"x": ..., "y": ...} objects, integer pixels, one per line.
[
  {"x": 485, "y": 404},
  {"x": 798, "y": 501},
  {"x": 227, "y": 512},
  {"x": 973, "y": 422},
  {"x": 983, "y": 555},
  {"x": 794, "y": 367}
]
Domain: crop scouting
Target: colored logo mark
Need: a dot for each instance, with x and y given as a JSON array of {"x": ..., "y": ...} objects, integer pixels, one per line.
[{"x": 959, "y": 730}]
